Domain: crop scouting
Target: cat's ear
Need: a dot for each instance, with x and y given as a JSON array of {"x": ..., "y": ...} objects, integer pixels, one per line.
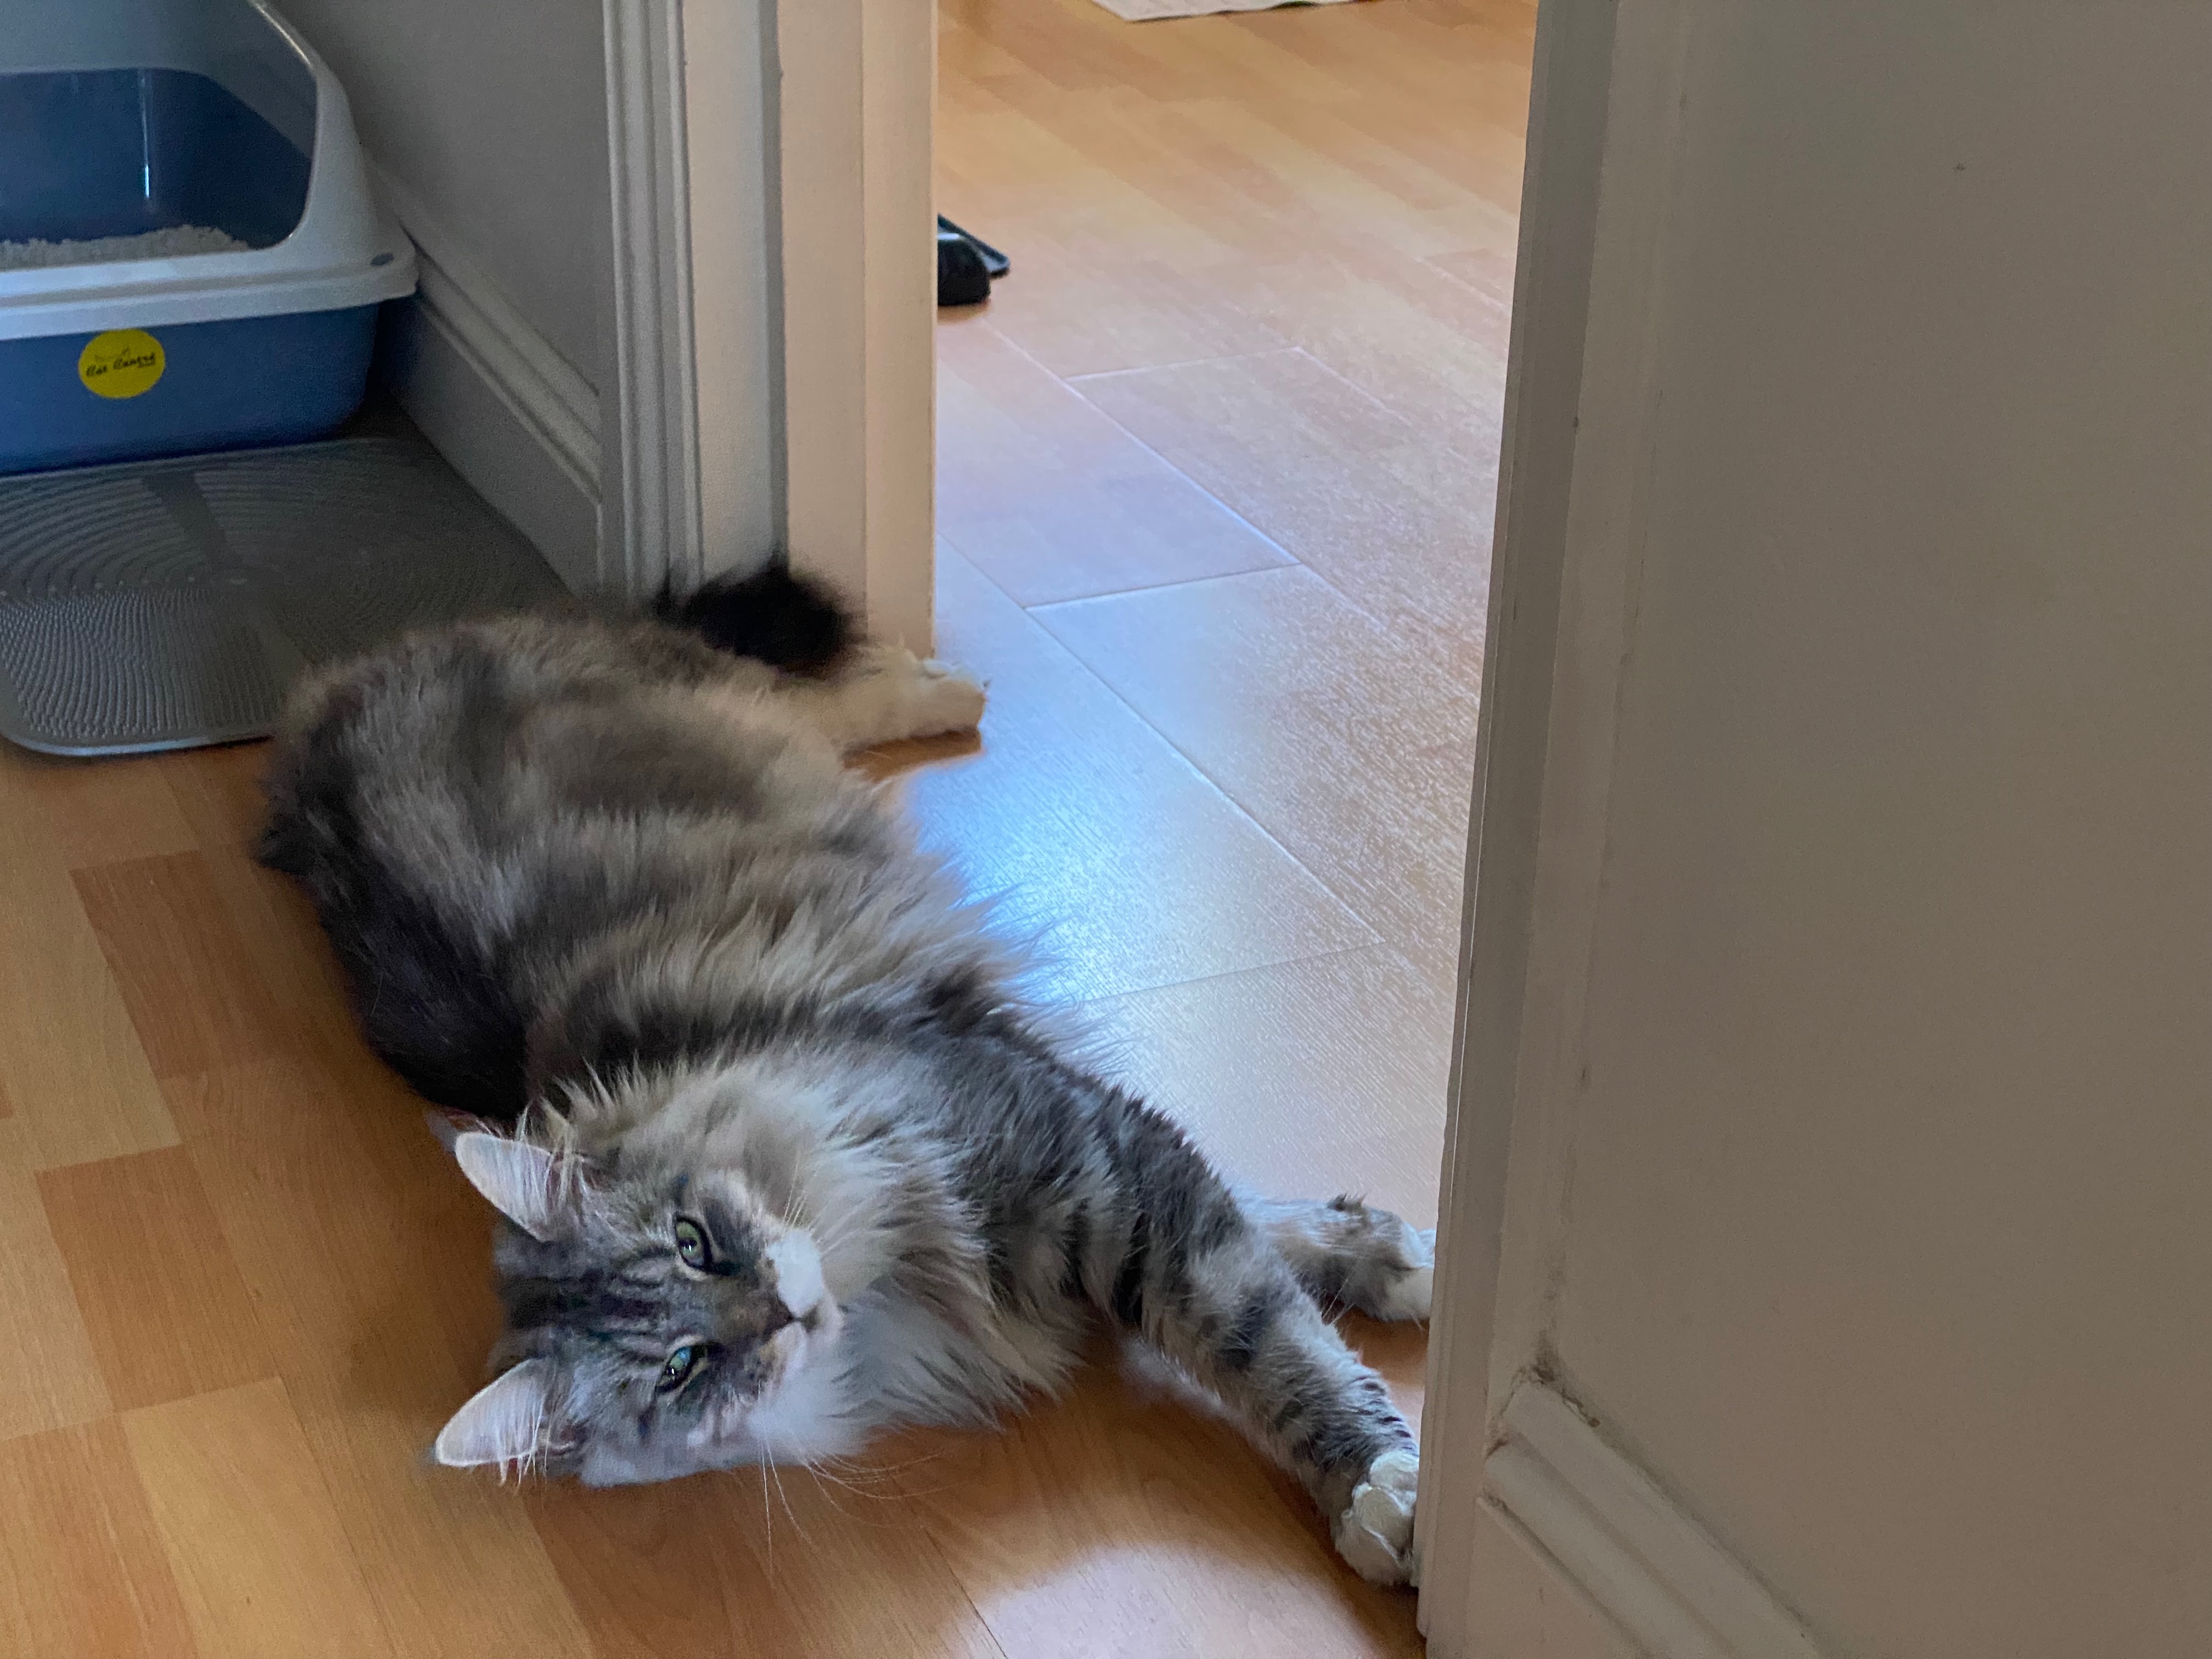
[
  {"x": 509, "y": 1421},
  {"x": 521, "y": 1181},
  {"x": 450, "y": 1126}
]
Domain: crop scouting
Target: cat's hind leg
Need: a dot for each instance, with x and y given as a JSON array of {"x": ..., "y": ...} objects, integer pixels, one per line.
[
  {"x": 885, "y": 693},
  {"x": 1183, "y": 1264},
  {"x": 1348, "y": 1254}
]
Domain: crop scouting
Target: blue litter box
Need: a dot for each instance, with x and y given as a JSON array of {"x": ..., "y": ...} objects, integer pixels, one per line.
[{"x": 241, "y": 309}]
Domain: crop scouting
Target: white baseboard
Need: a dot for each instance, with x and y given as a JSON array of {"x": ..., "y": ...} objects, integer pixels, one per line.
[
  {"x": 510, "y": 414},
  {"x": 1627, "y": 1546},
  {"x": 1529, "y": 1607}
]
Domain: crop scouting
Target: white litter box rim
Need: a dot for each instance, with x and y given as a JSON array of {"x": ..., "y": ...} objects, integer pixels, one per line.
[{"x": 346, "y": 250}]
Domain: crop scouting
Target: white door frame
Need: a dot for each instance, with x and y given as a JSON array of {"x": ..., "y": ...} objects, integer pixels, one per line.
[
  {"x": 1543, "y": 381},
  {"x": 857, "y": 103},
  {"x": 652, "y": 519},
  {"x": 844, "y": 479},
  {"x": 1500, "y": 1443}
]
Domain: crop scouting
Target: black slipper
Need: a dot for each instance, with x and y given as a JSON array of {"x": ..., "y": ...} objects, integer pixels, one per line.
[
  {"x": 962, "y": 279},
  {"x": 993, "y": 261}
]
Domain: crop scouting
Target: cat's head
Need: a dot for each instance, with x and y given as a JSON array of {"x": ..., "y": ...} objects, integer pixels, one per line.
[{"x": 656, "y": 1317}]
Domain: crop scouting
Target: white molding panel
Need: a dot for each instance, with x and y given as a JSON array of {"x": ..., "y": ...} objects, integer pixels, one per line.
[
  {"x": 655, "y": 529},
  {"x": 512, "y": 414},
  {"x": 1626, "y": 1546}
]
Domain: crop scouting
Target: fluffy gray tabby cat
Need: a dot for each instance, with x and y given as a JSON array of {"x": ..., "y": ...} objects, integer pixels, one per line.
[{"x": 782, "y": 1158}]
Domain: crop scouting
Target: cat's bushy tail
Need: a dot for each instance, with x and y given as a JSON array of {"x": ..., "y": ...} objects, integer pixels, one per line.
[{"x": 789, "y": 622}]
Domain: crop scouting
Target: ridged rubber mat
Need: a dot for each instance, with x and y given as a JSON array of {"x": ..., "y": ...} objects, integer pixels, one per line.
[{"x": 166, "y": 605}]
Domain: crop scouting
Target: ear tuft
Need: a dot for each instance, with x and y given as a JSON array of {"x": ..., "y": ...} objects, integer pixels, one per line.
[
  {"x": 520, "y": 1180},
  {"x": 508, "y": 1421}
]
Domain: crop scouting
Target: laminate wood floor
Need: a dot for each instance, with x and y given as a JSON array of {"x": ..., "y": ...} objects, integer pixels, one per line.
[{"x": 1217, "y": 470}]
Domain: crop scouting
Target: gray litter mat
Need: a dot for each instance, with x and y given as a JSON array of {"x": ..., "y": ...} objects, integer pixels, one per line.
[{"x": 168, "y": 604}]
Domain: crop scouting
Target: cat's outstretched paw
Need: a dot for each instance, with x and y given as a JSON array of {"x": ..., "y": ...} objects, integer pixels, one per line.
[
  {"x": 892, "y": 693},
  {"x": 1375, "y": 1534},
  {"x": 942, "y": 698},
  {"x": 1408, "y": 1295}
]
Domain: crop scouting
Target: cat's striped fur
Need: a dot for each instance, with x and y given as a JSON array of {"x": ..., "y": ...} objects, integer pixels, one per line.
[{"x": 782, "y": 1158}]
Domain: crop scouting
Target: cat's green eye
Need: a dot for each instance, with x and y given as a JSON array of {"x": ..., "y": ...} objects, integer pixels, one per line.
[
  {"x": 680, "y": 1366},
  {"x": 691, "y": 1243}
]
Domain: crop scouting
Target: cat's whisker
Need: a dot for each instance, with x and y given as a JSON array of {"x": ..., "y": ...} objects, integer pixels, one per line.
[
  {"x": 894, "y": 1516},
  {"x": 878, "y": 1468},
  {"x": 784, "y": 1497},
  {"x": 836, "y": 1239},
  {"x": 891, "y": 1475},
  {"x": 855, "y": 1475},
  {"x": 822, "y": 1471},
  {"x": 768, "y": 1524},
  {"x": 824, "y": 1490}
]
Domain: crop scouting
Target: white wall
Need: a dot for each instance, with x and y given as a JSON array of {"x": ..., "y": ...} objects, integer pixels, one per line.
[
  {"x": 489, "y": 121},
  {"x": 1863, "y": 1194},
  {"x": 493, "y": 115}
]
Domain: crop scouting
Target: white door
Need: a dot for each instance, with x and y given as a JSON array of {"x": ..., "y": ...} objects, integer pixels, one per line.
[{"x": 1828, "y": 1241}]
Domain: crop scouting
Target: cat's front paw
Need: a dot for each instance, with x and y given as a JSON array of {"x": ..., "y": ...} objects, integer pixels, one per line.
[
  {"x": 1408, "y": 1295},
  {"x": 941, "y": 698},
  {"x": 1375, "y": 1534}
]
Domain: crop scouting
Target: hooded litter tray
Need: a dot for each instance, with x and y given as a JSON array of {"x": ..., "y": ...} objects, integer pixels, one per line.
[{"x": 190, "y": 257}]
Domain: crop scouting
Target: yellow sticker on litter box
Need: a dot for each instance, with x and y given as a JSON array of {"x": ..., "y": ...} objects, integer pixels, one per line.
[{"x": 123, "y": 363}]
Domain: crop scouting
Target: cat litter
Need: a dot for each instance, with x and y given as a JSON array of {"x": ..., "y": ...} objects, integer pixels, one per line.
[
  {"x": 168, "y": 604},
  {"x": 177, "y": 242}
]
